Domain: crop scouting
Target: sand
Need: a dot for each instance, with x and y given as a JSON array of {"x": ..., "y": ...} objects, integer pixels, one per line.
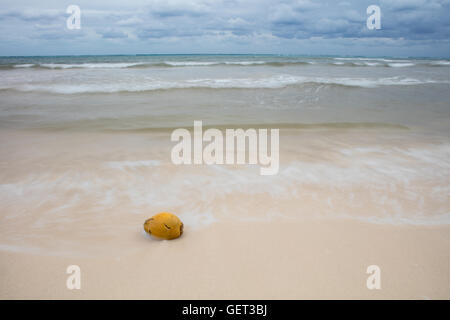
[
  {"x": 363, "y": 179},
  {"x": 273, "y": 260},
  {"x": 337, "y": 206}
]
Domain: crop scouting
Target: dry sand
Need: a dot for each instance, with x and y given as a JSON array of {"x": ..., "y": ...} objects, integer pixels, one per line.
[{"x": 282, "y": 260}]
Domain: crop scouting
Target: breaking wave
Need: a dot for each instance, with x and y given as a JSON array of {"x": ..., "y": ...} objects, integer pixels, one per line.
[
  {"x": 340, "y": 62},
  {"x": 273, "y": 82}
]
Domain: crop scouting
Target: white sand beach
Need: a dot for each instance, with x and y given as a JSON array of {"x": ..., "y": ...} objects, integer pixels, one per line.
[{"x": 363, "y": 179}]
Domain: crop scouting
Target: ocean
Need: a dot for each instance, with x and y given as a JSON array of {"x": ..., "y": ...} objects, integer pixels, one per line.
[
  {"x": 171, "y": 90},
  {"x": 85, "y": 140}
]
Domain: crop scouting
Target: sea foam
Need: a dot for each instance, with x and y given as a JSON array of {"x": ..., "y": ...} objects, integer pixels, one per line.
[{"x": 273, "y": 82}]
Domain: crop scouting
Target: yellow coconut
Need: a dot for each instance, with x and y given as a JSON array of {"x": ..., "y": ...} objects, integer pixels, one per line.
[{"x": 164, "y": 225}]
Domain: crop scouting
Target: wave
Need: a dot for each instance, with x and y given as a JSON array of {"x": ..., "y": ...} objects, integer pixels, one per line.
[
  {"x": 189, "y": 63},
  {"x": 234, "y": 63},
  {"x": 401, "y": 65},
  {"x": 376, "y": 64},
  {"x": 341, "y": 62},
  {"x": 124, "y": 65},
  {"x": 371, "y": 59},
  {"x": 25, "y": 65},
  {"x": 274, "y": 82},
  {"x": 61, "y": 66},
  {"x": 381, "y": 62},
  {"x": 89, "y": 65},
  {"x": 161, "y": 64},
  {"x": 440, "y": 63},
  {"x": 357, "y": 64}
]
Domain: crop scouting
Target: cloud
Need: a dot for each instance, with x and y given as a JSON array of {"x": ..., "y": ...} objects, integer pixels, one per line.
[
  {"x": 113, "y": 34},
  {"x": 177, "y": 8},
  {"x": 55, "y": 35},
  {"x": 31, "y": 15},
  {"x": 131, "y": 21},
  {"x": 404, "y": 5},
  {"x": 227, "y": 25}
]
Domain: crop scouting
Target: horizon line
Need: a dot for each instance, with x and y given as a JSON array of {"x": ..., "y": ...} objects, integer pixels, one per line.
[{"x": 224, "y": 54}]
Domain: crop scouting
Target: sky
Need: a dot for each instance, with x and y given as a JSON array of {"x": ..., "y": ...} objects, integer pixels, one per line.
[{"x": 409, "y": 28}]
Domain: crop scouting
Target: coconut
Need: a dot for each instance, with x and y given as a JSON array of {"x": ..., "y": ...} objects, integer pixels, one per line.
[{"x": 164, "y": 225}]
